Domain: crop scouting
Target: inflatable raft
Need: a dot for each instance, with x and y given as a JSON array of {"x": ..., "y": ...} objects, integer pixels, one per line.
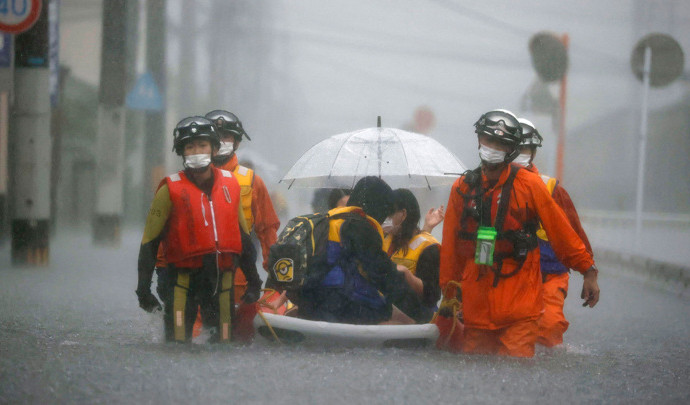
[
  {"x": 294, "y": 330},
  {"x": 274, "y": 323}
]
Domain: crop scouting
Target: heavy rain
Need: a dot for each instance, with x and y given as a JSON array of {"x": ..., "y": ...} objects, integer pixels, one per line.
[{"x": 91, "y": 93}]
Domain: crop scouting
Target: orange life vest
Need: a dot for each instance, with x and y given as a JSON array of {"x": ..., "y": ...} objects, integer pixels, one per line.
[
  {"x": 516, "y": 229},
  {"x": 199, "y": 225}
]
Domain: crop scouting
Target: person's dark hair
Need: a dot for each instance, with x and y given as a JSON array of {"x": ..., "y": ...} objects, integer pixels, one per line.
[
  {"x": 404, "y": 199},
  {"x": 335, "y": 195},
  {"x": 374, "y": 196},
  {"x": 319, "y": 201}
]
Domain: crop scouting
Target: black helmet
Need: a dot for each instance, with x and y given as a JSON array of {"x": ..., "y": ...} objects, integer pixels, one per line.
[
  {"x": 225, "y": 121},
  {"x": 191, "y": 128},
  {"x": 500, "y": 124},
  {"x": 530, "y": 135}
]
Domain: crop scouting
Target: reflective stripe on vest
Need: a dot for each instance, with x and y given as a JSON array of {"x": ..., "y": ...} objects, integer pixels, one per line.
[
  {"x": 245, "y": 176},
  {"x": 548, "y": 260},
  {"x": 198, "y": 225},
  {"x": 415, "y": 248}
]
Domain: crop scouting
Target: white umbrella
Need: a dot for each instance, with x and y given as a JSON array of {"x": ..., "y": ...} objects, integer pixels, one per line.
[{"x": 401, "y": 158}]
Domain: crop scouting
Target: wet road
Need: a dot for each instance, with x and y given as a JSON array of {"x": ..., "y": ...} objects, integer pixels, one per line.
[{"x": 73, "y": 333}]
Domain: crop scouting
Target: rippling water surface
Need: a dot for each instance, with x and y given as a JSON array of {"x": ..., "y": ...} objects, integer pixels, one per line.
[{"x": 73, "y": 333}]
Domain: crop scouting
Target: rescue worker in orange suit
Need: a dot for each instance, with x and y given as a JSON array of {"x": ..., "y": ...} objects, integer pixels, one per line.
[
  {"x": 197, "y": 215},
  {"x": 415, "y": 252},
  {"x": 555, "y": 275},
  {"x": 490, "y": 244},
  {"x": 256, "y": 202}
]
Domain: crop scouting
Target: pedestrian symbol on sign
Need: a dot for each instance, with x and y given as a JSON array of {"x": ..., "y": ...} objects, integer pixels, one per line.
[{"x": 145, "y": 94}]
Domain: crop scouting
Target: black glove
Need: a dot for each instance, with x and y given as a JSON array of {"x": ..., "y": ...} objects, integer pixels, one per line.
[{"x": 148, "y": 302}]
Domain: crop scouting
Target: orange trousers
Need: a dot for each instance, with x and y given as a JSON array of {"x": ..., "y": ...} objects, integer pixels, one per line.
[
  {"x": 552, "y": 324},
  {"x": 517, "y": 340},
  {"x": 240, "y": 285}
]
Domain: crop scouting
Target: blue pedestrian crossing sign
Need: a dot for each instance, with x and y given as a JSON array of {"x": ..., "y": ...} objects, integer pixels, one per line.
[{"x": 145, "y": 94}]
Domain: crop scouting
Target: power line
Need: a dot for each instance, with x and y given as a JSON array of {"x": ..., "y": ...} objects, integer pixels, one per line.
[
  {"x": 511, "y": 28},
  {"x": 355, "y": 44},
  {"x": 494, "y": 59},
  {"x": 482, "y": 18},
  {"x": 360, "y": 73}
]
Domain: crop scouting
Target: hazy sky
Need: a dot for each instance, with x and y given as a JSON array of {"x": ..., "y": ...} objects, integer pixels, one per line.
[
  {"x": 356, "y": 60},
  {"x": 338, "y": 64}
]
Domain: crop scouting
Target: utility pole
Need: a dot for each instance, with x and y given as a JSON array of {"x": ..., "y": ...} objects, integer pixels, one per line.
[
  {"x": 111, "y": 124},
  {"x": 187, "y": 39},
  {"x": 57, "y": 80},
  {"x": 31, "y": 144},
  {"x": 154, "y": 138}
]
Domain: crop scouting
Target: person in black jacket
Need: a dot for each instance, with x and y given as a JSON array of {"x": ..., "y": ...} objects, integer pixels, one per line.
[{"x": 359, "y": 283}]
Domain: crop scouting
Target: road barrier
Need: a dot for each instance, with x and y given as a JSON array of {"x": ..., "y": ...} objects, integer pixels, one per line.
[{"x": 614, "y": 229}]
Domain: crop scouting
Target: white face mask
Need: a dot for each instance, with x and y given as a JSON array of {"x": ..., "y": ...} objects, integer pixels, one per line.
[
  {"x": 387, "y": 225},
  {"x": 523, "y": 159},
  {"x": 197, "y": 161},
  {"x": 226, "y": 148},
  {"x": 490, "y": 155}
]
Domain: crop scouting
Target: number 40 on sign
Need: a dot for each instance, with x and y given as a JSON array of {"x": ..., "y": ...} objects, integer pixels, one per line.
[{"x": 17, "y": 16}]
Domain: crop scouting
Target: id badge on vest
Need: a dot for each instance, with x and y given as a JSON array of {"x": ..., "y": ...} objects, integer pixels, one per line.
[{"x": 486, "y": 242}]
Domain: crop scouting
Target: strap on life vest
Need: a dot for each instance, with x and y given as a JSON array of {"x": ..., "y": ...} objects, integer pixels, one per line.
[
  {"x": 524, "y": 240},
  {"x": 500, "y": 219}
]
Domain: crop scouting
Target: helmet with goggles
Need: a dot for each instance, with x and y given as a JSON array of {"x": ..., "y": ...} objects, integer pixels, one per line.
[
  {"x": 227, "y": 123},
  {"x": 500, "y": 124},
  {"x": 530, "y": 135},
  {"x": 194, "y": 128}
]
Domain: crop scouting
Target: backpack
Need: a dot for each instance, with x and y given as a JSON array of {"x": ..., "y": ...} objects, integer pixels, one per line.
[
  {"x": 303, "y": 238},
  {"x": 299, "y": 254}
]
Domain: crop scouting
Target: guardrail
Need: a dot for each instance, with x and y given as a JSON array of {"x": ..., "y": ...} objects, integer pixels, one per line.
[
  {"x": 629, "y": 216},
  {"x": 642, "y": 265},
  {"x": 620, "y": 226}
]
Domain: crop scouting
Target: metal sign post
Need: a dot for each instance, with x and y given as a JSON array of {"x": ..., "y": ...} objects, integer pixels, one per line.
[
  {"x": 657, "y": 60},
  {"x": 643, "y": 144}
]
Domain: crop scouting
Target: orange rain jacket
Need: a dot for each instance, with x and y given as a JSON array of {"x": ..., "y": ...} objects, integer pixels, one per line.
[
  {"x": 516, "y": 298},
  {"x": 553, "y": 324},
  {"x": 564, "y": 201},
  {"x": 266, "y": 222}
]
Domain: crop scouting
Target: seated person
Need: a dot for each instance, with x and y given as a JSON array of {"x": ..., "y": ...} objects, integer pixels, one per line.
[
  {"x": 338, "y": 198},
  {"x": 415, "y": 251},
  {"x": 354, "y": 281},
  {"x": 325, "y": 199}
]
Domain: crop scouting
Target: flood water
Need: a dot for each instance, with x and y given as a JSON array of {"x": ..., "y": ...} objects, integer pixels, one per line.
[{"x": 73, "y": 332}]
